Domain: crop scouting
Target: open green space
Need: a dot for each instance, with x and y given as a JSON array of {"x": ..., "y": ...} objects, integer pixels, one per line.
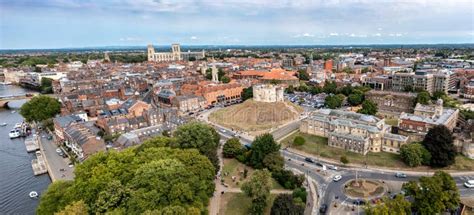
[
  {"x": 233, "y": 168},
  {"x": 318, "y": 146},
  {"x": 239, "y": 204}
]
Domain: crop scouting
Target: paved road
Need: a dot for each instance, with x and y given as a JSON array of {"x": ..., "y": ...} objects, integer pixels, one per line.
[{"x": 55, "y": 161}]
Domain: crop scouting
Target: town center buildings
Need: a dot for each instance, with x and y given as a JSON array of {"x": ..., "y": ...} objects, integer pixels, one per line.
[{"x": 174, "y": 55}]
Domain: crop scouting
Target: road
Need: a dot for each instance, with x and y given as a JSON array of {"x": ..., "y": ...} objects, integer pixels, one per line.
[{"x": 55, "y": 162}]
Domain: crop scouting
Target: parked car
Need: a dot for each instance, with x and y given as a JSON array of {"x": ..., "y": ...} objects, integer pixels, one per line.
[
  {"x": 400, "y": 175},
  {"x": 323, "y": 208},
  {"x": 332, "y": 167},
  {"x": 359, "y": 202},
  {"x": 469, "y": 184},
  {"x": 58, "y": 150},
  {"x": 337, "y": 178},
  {"x": 309, "y": 160}
]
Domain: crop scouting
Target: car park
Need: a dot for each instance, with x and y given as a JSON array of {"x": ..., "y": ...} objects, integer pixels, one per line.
[{"x": 337, "y": 178}]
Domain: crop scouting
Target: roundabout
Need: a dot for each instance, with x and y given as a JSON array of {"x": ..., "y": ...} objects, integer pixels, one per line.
[{"x": 364, "y": 189}]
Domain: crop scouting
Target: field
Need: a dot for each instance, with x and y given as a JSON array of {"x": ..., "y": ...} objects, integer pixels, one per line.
[
  {"x": 256, "y": 117},
  {"x": 233, "y": 168},
  {"x": 239, "y": 204}
]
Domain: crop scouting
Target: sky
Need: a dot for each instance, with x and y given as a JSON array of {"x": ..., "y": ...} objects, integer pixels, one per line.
[{"x": 34, "y": 24}]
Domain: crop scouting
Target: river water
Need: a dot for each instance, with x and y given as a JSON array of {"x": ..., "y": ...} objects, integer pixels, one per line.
[{"x": 16, "y": 176}]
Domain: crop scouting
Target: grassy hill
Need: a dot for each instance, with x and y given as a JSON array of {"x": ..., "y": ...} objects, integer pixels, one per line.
[{"x": 256, "y": 117}]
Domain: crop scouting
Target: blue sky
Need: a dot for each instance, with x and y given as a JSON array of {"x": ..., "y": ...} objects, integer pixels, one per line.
[{"x": 85, "y": 23}]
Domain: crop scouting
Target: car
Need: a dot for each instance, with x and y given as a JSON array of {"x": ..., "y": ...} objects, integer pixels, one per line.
[
  {"x": 337, "y": 178},
  {"x": 332, "y": 167},
  {"x": 359, "y": 202},
  {"x": 469, "y": 184},
  {"x": 302, "y": 164},
  {"x": 309, "y": 160},
  {"x": 58, "y": 150},
  {"x": 319, "y": 164},
  {"x": 289, "y": 159},
  {"x": 400, "y": 175},
  {"x": 222, "y": 130},
  {"x": 323, "y": 208}
]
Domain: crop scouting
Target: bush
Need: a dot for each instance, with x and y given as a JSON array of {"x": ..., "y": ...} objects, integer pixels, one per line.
[
  {"x": 344, "y": 160},
  {"x": 299, "y": 140},
  {"x": 300, "y": 193},
  {"x": 415, "y": 154},
  {"x": 232, "y": 148},
  {"x": 288, "y": 179}
]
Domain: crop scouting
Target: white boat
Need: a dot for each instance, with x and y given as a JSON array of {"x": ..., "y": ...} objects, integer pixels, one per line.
[
  {"x": 33, "y": 194},
  {"x": 17, "y": 125},
  {"x": 5, "y": 83},
  {"x": 13, "y": 111},
  {"x": 3, "y": 124},
  {"x": 14, "y": 133}
]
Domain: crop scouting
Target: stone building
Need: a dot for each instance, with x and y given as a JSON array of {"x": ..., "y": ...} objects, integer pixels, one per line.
[
  {"x": 392, "y": 104},
  {"x": 354, "y": 132},
  {"x": 174, "y": 55},
  {"x": 267, "y": 93},
  {"x": 417, "y": 125}
]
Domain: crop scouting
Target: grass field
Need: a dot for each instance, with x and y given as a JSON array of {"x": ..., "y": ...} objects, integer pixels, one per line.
[
  {"x": 239, "y": 204},
  {"x": 232, "y": 167},
  {"x": 318, "y": 146}
]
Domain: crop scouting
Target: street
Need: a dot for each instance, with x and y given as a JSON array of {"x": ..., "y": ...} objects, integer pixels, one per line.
[{"x": 55, "y": 162}]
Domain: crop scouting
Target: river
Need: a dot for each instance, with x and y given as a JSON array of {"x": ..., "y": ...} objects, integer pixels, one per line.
[{"x": 16, "y": 176}]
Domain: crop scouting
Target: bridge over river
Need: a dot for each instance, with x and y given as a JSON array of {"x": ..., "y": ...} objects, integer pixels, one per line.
[{"x": 4, "y": 99}]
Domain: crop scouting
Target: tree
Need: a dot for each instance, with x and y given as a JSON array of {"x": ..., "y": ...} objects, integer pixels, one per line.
[
  {"x": 258, "y": 189},
  {"x": 398, "y": 205},
  {"x": 334, "y": 101},
  {"x": 347, "y": 90},
  {"x": 261, "y": 147},
  {"x": 439, "y": 142},
  {"x": 285, "y": 205},
  {"x": 303, "y": 75},
  {"x": 315, "y": 90},
  {"x": 247, "y": 93},
  {"x": 423, "y": 97},
  {"x": 273, "y": 161},
  {"x": 330, "y": 87},
  {"x": 199, "y": 136},
  {"x": 40, "y": 108},
  {"x": 344, "y": 160},
  {"x": 433, "y": 195},
  {"x": 232, "y": 148},
  {"x": 300, "y": 192},
  {"x": 37, "y": 69},
  {"x": 136, "y": 180},
  {"x": 368, "y": 107},
  {"x": 356, "y": 98},
  {"x": 290, "y": 89},
  {"x": 76, "y": 208},
  {"x": 415, "y": 154},
  {"x": 299, "y": 141},
  {"x": 46, "y": 85},
  {"x": 288, "y": 179},
  {"x": 225, "y": 79}
]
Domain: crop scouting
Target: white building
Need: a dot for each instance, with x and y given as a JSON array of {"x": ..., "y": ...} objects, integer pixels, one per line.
[
  {"x": 268, "y": 93},
  {"x": 174, "y": 55}
]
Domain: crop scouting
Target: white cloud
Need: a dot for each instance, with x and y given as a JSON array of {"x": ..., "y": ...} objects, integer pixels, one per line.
[
  {"x": 377, "y": 35},
  {"x": 304, "y": 35},
  {"x": 193, "y": 38},
  {"x": 395, "y": 34},
  {"x": 333, "y": 34}
]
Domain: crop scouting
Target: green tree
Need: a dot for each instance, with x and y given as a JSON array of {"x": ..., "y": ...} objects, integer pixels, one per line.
[
  {"x": 303, "y": 75},
  {"x": 299, "y": 141},
  {"x": 262, "y": 146},
  {"x": 334, "y": 101},
  {"x": 423, "y": 97},
  {"x": 439, "y": 142},
  {"x": 344, "y": 160},
  {"x": 232, "y": 148},
  {"x": 40, "y": 108},
  {"x": 285, "y": 205},
  {"x": 46, "y": 85},
  {"x": 415, "y": 154},
  {"x": 199, "y": 136},
  {"x": 356, "y": 98},
  {"x": 76, "y": 208},
  {"x": 330, "y": 87},
  {"x": 56, "y": 198},
  {"x": 225, "y": 79},
  {"x": 368, "y": 107},
  {"x": 258, "y": 189},
  {"x": 273, "y": 161},
  {"x": 290, "y": 89},
  {"x": 288, "y": 179},
  {"x": 247, "y": 93},
  {"x": 315, "y": 90},
  {"x": 433, "y": 195},
  {"x": 399, "y": 205},
  {"x": 37, "y": 69},
  {"x": 347, "y": 90},
  {"x": 300, "y": 192}
]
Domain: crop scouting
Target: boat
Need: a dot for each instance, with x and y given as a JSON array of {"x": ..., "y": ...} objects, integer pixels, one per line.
[
  {"x": 3, "y": 124},
  {"x": 5, "y": 83},
  {"x": 13, "y": 111},
  {"x": 17, "y": 126},
  {"x": 14, "y": 133},
  {"x": 33, "y": 194}
]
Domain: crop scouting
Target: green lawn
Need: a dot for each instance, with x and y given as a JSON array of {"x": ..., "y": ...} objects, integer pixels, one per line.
[
  {"x": 391, "y": 121},
  {"x": 239, "y": 204},
  {"x": 317, "y": 145},
  {"x": 233, "y": 167}
]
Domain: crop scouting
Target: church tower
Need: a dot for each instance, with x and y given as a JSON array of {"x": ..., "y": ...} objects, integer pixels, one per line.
[
  {"x": 176, "y": 50},
  {"x": 151, "y": 52}
]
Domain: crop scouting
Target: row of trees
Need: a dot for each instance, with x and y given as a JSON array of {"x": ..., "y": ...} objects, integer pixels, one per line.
[{"x": 429, "y": 195}]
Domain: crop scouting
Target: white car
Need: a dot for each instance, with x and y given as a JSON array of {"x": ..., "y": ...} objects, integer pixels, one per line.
[
  {"x": 469, "y": 184},
  {"x": 332, "y": 167},
  {"x": 222, "y": 130},
  {"x": 337, "y": 178}
]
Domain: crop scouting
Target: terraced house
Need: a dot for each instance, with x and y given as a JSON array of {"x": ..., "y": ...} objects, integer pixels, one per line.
[{"x": 354, "y": 132}]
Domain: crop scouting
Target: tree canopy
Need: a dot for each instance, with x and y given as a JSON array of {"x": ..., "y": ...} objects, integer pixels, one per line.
[
  {"x": 439, "y": 142},
  {"x": 232, "y": 148},
  {"x": 398, "y": 205},
  {"x": 415, "y": 154},
  {"x": 368, "y": 107},
  {"x": 258, "y": 189},
  {"x": 433, "y": 195},
  {"x": 423, "y": 97},
  {"x": 136, "y": 180},
  {"x": 284, "y": 204},
  {"x": 334, "y": 101},
  {"x": 40, "y": 108},
  {"x": 261, "y": 147}
]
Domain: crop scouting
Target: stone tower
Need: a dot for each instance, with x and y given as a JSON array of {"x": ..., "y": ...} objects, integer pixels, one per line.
[
  {"x": 176, "y": 50},
  {"x": 203, "y": 68},
  {"x": 151, "y": 52},
  {"x": 215, "y": 75}
]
